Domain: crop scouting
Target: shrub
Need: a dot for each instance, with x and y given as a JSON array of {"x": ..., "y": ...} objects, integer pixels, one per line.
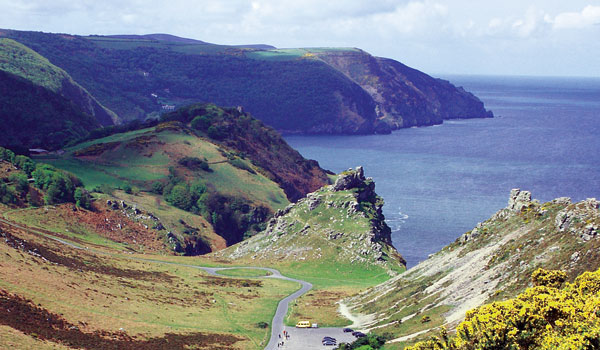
[
  {"x": 216, "y": 132},
  {"x": 180, "y": 197},
  {"x": 194, "y": 163},
  {"x": 262, "y": 324},
  {"x": 7, "y": 196},
  {"x": 127, "y": 188},
  {"x": 20, "y": 181},
  {"x": 201, "y": 122},
  {"x": 157, "y": 187},
  {"x": 542, "y": 317},
  {"x": 82, "y": 198},
  {"x": 240, "y": 164}
]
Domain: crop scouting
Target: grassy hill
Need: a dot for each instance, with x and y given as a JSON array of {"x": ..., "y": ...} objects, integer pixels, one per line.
[
  {"x": 56, "y": 296},
  {"x": 41, "y": 105},
  {"x": 336, "y": 238},
  {"x": 75, "y": 278},
  {"x": 18, "y": 59},
  {"x": 213, "y": 176},
  {"x": 493, "y": 262},
  {"x": 292, "y": 90}
]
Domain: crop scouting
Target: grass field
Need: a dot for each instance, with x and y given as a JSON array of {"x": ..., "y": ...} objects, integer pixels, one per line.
[{"x": 119, "y": 294}]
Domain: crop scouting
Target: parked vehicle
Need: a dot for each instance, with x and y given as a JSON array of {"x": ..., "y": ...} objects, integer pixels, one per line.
[
  {"x": 348, "y": 330},
  {"x": 303, "y": 324},
  {"x": 358, "y": 334}
]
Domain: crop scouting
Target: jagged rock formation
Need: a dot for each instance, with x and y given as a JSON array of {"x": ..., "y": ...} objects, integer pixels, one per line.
[
  {"x": 491, "y": 262},
  {"x": 344, "y": 219}
]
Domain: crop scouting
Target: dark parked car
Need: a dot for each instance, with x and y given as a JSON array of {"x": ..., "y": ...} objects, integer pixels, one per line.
[
  {"x": 329, "y": 342},
  {"x": 348, "y": 330},
  {"x": 359, "y": 334}
]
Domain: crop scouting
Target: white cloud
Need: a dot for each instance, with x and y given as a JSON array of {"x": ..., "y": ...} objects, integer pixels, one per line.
[
  {"x": 590, "y": 15},
  {"x": 483, "y": 36}
]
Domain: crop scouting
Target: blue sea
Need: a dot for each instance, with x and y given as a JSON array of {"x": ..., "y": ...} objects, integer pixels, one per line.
[{"x": 439, "y": 182}]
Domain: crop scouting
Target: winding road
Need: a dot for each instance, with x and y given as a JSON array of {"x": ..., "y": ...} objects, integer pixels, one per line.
[{"x": 277, "y": 324}]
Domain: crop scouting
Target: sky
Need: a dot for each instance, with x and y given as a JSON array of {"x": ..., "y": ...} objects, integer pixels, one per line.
[{"x": 508, "y": 37}]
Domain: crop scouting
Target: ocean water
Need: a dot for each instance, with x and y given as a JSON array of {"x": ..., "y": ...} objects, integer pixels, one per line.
[{"x": 439, "y": 182}]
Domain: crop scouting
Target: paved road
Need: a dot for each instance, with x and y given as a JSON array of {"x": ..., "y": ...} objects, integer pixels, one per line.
[
  {"x": 277, "y": 325},
  {"x": 310, "y": 338}
]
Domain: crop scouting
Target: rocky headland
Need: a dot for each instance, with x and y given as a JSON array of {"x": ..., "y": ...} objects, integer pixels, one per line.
[
  {"x": 343, "y": 220},
  {"x": 494, "y": 261}
]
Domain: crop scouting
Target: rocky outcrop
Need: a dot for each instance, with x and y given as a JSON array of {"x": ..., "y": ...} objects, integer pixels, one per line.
[
  {"x": 518, "y": 200},
  {"x": 493, "y": 261},
  {"x": 347, "y": 216},
  {"x": 580, "y": 219},
  {"x": 404, "y": 96},
  {"x": 349, "y": 179}
]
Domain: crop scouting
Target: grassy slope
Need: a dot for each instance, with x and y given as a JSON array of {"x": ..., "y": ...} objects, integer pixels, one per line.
[
  {"x": 20, "y": 60},
  {"x": 495, "y": 265},
  {"x": 299, "y": 244},
  {"x": 142, "y": 162},
  {"x": 124, "y": 164},
  {"x": 100, "y": 292}
]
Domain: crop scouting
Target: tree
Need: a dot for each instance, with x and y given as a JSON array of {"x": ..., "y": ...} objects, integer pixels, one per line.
[
  {"x": 180, "y": 197},
  {"x": 201, "y": 122},
  {"x": 82, "y": 198},
  {"x": 20, "y": 181},
  {"x": 157, "y": 187}
]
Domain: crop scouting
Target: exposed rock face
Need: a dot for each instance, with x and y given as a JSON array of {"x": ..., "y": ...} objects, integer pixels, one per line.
[
  {"x": 405, "y": 97},
  {"x": 519, "y": 199},
  {"x": 578, "y": 219},
  {"x": 347, "y": 214},
  {"x": 494, "y": 261},
  {"x": 349, "y": 179}
]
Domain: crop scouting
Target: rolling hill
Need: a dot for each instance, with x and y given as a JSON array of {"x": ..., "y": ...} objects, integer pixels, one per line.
[
  {"x": 212, "y": 175},
  {"x": 42, "y": 106},
  {"x": 314, "y": 91}
]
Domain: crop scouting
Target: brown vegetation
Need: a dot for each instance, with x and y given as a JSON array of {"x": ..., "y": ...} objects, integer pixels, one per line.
[
  {"x": 21, "y": 314},
  {"x": 96, "y": 149},
  {"x": 80, "y": 262}
]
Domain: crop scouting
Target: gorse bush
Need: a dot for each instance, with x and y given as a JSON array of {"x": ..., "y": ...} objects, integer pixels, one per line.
[{"x": 542, "y": 317}]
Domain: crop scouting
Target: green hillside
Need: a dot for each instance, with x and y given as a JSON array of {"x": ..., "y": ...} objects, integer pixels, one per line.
[
  {"x": 19, "y": 60},
  {"x": 336, "y": 238},
  {"x": 213, "y": 176},
  {"x": 42, "y": 106},
  {"x": 312, "y": 90},
  {"x": 36, "y": 117}
]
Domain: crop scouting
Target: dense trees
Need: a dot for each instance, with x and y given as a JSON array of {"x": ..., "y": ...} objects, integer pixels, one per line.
[
  {"x": 35, "y": 117},
  {"x": 294, "y": 94},
  {"x": 59, "y": 186}
]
